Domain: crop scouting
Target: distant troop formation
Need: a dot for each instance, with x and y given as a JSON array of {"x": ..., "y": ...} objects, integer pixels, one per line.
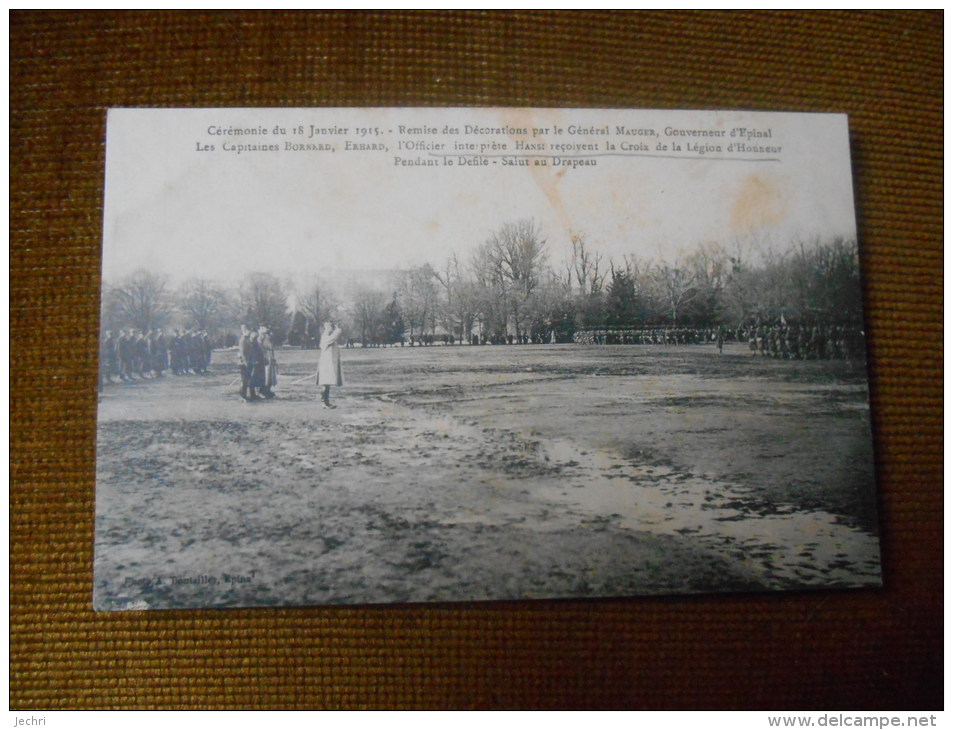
[
  {"x": 132, "y": 354},
  {"x": 782, "y": 341},
  {"x": 642, "y": 336},
  {"x": 795, "y": 342}
]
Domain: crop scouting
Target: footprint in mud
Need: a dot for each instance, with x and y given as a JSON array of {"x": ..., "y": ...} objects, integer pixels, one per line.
[
  {"x": 663, "y": 500},
  {"x": 331, "y": 543}
]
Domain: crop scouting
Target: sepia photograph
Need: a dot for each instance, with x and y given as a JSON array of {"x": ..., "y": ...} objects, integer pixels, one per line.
[{"x": 405, "y": 355}]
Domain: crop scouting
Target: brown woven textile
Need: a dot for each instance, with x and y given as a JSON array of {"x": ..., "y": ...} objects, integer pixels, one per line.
[{"x": 863, "y": 650}]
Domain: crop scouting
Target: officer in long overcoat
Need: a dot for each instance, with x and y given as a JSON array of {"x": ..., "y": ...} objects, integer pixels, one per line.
[{"x": 329, "y": 365}]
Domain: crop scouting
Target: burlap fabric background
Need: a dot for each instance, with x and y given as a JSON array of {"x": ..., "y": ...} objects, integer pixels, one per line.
[{"x": 867, "y": 649}]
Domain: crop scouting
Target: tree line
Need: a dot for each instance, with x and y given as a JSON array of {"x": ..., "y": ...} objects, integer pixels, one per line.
[{"x": 512, "y": 288}]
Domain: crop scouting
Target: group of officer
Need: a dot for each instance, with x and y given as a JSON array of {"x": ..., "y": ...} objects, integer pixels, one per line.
[
  {"x": 256, "y": 364},
  {"x": 132, "y": 354}
]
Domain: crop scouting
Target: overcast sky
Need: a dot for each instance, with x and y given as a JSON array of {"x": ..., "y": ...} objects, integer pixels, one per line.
[{"x": 217, "y": 214}]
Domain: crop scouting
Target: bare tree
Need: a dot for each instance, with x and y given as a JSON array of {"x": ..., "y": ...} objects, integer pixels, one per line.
[
  {"x": 142, "y": 300},
  {"x": 555, "y": 308},
  {"x": 490, "y": 294},
  {"x": 584, "y": 268},
  {"x": 711, "y": 266},
  {"x": 460, "y": 298},
  {"x": 203, "y": 305},
  {"x": 418, "y": 299},
  {"x": 824, "y": 280},
  {"x": 748, "y": 256},
  {"x": 517, "y": 252},
  {"x": 263, "y": 300},
  {"x": 676, "y": 286},
  {"x": 316, "y": 304},
  {"x": 368, "y": 313}
]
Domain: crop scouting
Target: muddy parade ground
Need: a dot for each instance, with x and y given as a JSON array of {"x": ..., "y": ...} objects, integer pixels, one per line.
[{"x": 471, "y": 473}]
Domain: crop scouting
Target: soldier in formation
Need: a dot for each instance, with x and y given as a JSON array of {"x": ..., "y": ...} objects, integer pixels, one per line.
[
  {"x": 806, "y": 342},
  {"x": 782, "y": 341},
  {"x": 133, "y": 354},
  {"x": 191, "y": 352}
]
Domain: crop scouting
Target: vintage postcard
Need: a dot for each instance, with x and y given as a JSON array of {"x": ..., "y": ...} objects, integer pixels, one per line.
[{"x": 410, "y": 355}]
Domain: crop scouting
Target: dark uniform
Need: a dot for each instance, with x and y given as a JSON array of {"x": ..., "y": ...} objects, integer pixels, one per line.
[
  {"x": 246, "y": 362},
  {"x": 258, "y": 366},
  {"x": 124, "y": 350},
  {"x": 108, "y": 357},
  {"x": 141, "y": 355},
  {"x": 160, "y": 353},
  {"x": 270, "y": 364}
]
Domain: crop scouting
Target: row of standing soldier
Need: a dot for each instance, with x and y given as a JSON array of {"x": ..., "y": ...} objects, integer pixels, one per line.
[
  {"x": 796, "y": 342},
  {"x": 782, "y": 341},
  {"x": 130, "y": 354}
]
